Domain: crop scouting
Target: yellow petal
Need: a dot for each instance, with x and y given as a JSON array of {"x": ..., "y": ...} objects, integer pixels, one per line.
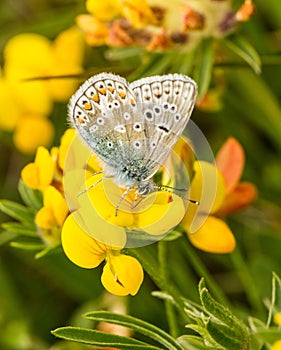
[
  {"x": 208, "y": 188},
  {"x": 276, "y": 345},
  {"x": 137, "y": 12},
  {"x": 100, "y": 229},
  {"x": 79, "y": 247},
  {"x": 213, "y": 237},
  {"x": 46, "y": 166},
  {"x": 105, "y": 197},
  {"x": 96, "y": 32},
  {"x": 54, "y": 200},
  {"x": 122, "y": 275},
  {"x": 36, "y": 51},
  {"x": 9, "y": 112},
  {"x": 45, "y": 218},
  {"x": 65, "y": 143},
  {"x": 30, "y": 177},
  {"x": 103, "y": 10},
  {"x": 277, "y": 318},
  {"x": 158, "y": 217},
  {"x": 32, "y": 133}
]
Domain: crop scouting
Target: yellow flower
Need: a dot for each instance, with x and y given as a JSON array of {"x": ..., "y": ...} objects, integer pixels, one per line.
[
  {"x": 70, "y": 40},
  {"x": 206, "y": 232},
  {"x": 40, "y": 173},
  {"x": 96, "y": 32},
  {"x": 50, "y": 218},
  {"x": 41, "y": 129},
  {"x": 103, "y": 10},
  {"x": 277, "y": 318},
  {"x": 122, "y": 275},
  {"x": 219, "y": 192},
  {"x": 158, "y": 24},
  {"x": 276, "y": 345},
  {"x": 156, "y": 214},
  {"x": 27, "y": 103}
]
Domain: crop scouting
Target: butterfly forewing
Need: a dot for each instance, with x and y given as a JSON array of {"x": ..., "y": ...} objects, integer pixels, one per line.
[{"x": 166, "y": 103}]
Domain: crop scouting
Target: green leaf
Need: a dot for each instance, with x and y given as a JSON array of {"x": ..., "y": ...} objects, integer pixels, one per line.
[
  {"x": 172, "y": 236},
  {"x": 136, "y": 324},
  {"x": 204, "y": 69},
  {"x": 48, "y": 251},
  {"x": 6, "y": 237},
  {"x": 191, "y": 342},
  {"x": 223, "y": 326},
  {"x": 245, "y": 50},
  {"x": 17, "y": 211},
  {"x": 20, "y": 229},
  {"x": 27, "y": 246},
  {"x": 254, "y": 99},
  {"x": 30, "y": 197},
  {"x": 269, "y": 335},
  {"x": 224, "y": 336},
  {"x": 101, "y": 339}
]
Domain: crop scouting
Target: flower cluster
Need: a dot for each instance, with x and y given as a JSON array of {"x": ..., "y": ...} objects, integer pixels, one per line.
[
  {"x": 27, "y": 102},
  {"x": 92, "y": 232},
  {"x": 158, "y": 25}
]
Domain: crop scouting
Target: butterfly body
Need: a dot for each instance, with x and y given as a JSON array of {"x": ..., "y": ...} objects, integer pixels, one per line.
[{"x": 132, "y": 127}]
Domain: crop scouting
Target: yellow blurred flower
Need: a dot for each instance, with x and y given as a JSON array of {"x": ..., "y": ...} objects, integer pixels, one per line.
[
  {"x": 277, "y": 318},
  {"x": 276, "y": 345},
  {"x": 41, "y": 129},
  {"x": 40, "y": 173},
  {"x": 203, "y": 225},
  {"x": 157, "y": 25},
  {"x": 27, "y": 103},
  {"x": 50, "y": 218},
  {"x": 122, "y": 275}
]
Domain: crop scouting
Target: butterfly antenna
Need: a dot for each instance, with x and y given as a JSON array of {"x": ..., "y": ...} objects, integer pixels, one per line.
[{"x": 169, "y": 189}]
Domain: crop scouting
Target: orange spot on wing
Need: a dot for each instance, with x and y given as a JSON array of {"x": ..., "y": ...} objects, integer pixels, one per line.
[
  {"x": 102, "y": 91},
  {"x": 122, "y": 94},
  {"x": 80, "y": 120},
  {"x": 96, "y": 98},
  {"x": 87, "y": 106},
  {"x": 111, "y": 89},
  {"x": 132, "y": 102}
]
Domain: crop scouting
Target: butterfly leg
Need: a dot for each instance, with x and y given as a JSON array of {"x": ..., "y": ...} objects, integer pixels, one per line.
[
  {"x": 94, "y": 184},
  {"x": 121, "y": 199}
]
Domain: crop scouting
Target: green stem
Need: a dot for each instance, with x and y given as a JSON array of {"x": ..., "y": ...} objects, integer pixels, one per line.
[
  {"x": 201, "y": 270},
  {"x": 171, "y": 318},
  {"x": 150, "y": 266},
  {"x": 249, "y": 284}
]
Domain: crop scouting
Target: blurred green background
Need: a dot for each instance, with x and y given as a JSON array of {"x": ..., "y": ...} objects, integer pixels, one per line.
[{"x": 37, "y": 296}]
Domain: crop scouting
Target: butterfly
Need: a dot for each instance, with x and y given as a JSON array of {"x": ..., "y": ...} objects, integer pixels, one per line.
[{"x": 132, "y": 127}]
